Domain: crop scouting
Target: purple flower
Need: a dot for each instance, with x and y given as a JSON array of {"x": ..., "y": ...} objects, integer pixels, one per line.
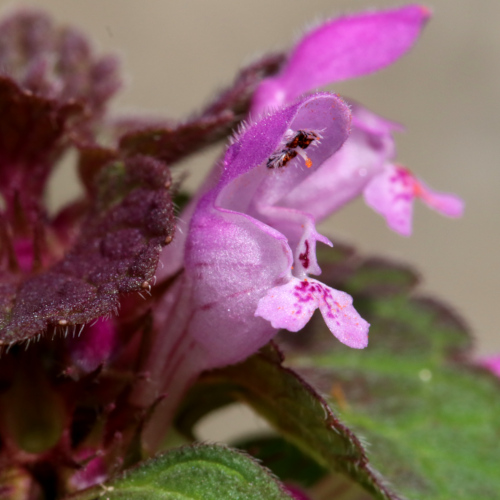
[
  {"x": 296, "y": 493},
  {"x": 248, "y": 257},
  {"x": 249, "y": 245},
  {"x": 345, "y": 175},
  {"x": 247, "y": 241},
  {"x": 391, "y": 193},
  {"x": 342, "y": 48},
  {"x": 491, "y": 363},
  {"x": 345, "y": 48},
  {"x": 364, "y": 166}
]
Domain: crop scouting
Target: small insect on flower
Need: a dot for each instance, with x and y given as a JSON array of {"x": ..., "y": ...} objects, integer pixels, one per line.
[
  {"x": 279, "y": 160},
  {"x": 303, "y": 139}
]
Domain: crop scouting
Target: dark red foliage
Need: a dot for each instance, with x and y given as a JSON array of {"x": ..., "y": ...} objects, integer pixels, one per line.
[
  {"x": 116, "y": 252},
  {"x": 65, "y": 402},
  {"x": 173, "y": 142},
  {"x": 32, "y": 133}
]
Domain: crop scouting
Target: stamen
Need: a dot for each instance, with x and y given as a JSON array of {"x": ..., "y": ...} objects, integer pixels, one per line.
[{"x": 307, "y": 160}]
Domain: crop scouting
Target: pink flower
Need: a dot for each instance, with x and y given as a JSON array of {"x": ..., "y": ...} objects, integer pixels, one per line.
[
  {"x": 248, "y": 257},
  {"x": 364, "y": 166},
  {"x": 248, "y": 248},
  {"x": 491, "y": 363},
  {"x": 391, "y": 193},
  {"x": 342, "y": 48}
]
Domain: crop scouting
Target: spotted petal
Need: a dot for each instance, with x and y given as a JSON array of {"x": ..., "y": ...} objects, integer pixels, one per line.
[
  {"x": 291, "y": 306},
  {"x": 392, "y": 192}
]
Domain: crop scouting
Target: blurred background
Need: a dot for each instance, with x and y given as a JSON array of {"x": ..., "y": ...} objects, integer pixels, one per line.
[{"x": 177, "y": 53}]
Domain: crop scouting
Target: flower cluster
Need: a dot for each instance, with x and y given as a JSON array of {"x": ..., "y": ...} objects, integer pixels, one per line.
[
  {"x": 239, "y": 271},
  {"x": 250, "y": 247}
]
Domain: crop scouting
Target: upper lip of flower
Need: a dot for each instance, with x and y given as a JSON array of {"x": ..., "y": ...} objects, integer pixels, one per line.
[
  {"x": 243, "y": 215},
  {"x": 342, "y": 48}
]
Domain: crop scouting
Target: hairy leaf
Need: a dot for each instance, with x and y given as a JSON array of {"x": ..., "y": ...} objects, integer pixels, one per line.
[
  {"x": 293, "y": 407},
  {"x": 295, "y": 468},
  {"x": 32, "y": 131},
  {"x": 287, "y": 461},
  {"x": 217, "y": 121},
  {"x": 200, "y": 472},
  {"x": 431, "y": 419},
  {"x": 116, "y": 252}
]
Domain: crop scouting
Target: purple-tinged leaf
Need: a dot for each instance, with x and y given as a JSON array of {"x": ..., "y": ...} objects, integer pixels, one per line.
[
  {"x": 116, "y": 252},
  {"x": 175, "y": 141},
  {"x": 91, "y": 160},
  {"x": 55, "y": 62},
  {"x": 52, "y": 87},
  {"x": 32, "y": 133},
  {"x": 172, "y": 143}
]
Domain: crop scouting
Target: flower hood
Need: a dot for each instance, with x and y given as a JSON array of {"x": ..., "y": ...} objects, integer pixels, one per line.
[{"x": 248, "y": 257}]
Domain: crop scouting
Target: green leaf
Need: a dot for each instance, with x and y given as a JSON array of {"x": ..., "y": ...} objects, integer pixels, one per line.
[
  {"x": 284, "y": 459},
  {"x": 292, "y": 406},
  {"x": 200, "y": 472},
  {"x": 430, "y": 418},
  {"x": 294, "y": 467}
]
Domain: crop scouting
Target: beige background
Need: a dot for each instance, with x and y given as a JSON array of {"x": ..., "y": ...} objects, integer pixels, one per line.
[{"x": 176, "y": 53}]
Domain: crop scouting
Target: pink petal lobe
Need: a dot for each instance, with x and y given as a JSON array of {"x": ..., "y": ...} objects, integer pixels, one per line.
[
  {"x": 391, "y": 194},
  {"x": 443, "y": 203},
  {"x": 343, "y": 48},
  {"x": 291, "y": 306},
  {"x": 342, "y": 319},
  {"x": 94, "y": 346}
]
